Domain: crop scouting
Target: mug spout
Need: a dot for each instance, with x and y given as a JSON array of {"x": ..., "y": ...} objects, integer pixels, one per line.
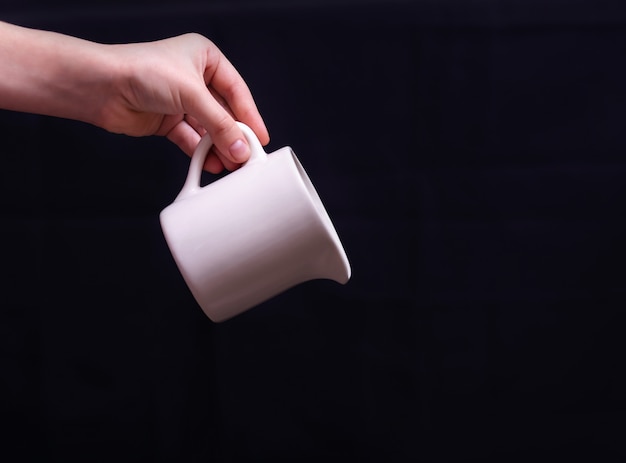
[{"x": 336, "y": 267}]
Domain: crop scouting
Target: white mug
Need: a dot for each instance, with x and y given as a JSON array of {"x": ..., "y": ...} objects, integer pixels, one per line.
[{"x": 252, "y": 234}]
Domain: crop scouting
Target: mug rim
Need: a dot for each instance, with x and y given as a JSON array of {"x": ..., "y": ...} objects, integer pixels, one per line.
[{"x": 316, "y": 203}]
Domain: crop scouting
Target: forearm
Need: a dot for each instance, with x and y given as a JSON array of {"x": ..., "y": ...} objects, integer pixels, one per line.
[
  {"x": 53, "y": 74},
  {"x": 179, "y": 87}
]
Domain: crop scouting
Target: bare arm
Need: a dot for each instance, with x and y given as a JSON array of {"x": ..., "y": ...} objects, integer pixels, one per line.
[{"x": 181, "y": 87}]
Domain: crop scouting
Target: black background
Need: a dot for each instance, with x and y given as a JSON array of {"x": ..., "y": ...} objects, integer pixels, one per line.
[{"x": 472, "y": 157}]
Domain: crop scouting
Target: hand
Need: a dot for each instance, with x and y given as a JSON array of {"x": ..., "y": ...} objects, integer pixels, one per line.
[{"x": 181, "y": 88}]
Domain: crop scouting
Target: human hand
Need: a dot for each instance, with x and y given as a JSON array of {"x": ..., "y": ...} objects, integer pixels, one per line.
[{"x": 183, "y": 87}]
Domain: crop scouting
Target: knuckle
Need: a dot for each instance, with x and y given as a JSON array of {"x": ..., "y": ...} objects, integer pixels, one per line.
[
  {"x": 222, "y": 126},
  {"x": 232, "y": 90}
]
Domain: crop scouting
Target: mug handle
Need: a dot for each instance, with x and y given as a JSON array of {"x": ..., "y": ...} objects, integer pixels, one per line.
[{"x": 192, "y": 183}]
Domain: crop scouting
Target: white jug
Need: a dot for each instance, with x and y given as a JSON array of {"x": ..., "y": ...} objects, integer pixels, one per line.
[{"x": 251, "y": 234}]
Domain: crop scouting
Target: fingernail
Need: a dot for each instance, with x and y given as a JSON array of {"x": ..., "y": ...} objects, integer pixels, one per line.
[{"x": 239, "y": 151}]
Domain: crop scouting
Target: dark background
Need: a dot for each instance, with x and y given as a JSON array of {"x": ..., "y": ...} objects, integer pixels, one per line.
[{"x": 472, "y": 157}]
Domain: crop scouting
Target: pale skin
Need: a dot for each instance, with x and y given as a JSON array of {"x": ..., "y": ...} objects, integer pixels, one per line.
[{"x": 180, "y": 87}]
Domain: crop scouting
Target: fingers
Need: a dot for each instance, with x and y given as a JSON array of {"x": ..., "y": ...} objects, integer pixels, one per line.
[
  {"x": 186, "y": 135},
  {"x": 213, "y": 103},
  {"x": 230, "y": 90},
  {"x": 213, "y": 164},
  {"x": 228, "y": 99},
  {"x": 227, "y": 163},
  {"x": 226, "y": 134},
  {"x": 224, "y": 160},
  {"x": 193, "y": 122}
]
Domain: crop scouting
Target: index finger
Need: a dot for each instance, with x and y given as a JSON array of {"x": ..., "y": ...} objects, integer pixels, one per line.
[{"x": 230, "y": 88}]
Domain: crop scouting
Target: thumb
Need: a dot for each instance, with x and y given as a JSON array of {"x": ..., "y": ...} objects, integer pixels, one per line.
[{"x": 221, "y": 126}]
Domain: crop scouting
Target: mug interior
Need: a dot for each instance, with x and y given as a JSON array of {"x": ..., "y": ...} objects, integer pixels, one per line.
[{"x": 316, "y": 201}]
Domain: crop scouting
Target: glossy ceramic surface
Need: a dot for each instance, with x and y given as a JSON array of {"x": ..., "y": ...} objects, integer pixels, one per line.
[{"x": 251, "y": 234}]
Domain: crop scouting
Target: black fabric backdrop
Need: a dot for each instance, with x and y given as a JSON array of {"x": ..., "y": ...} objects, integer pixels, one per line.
[{"x": 472, "y": 157}]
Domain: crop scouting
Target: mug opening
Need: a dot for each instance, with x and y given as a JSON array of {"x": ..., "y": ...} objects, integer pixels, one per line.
[{"x": 317, "y": 203}]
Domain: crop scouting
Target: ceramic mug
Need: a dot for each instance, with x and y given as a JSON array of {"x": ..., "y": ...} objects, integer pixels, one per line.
[{"x": 251, "y": 234}]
